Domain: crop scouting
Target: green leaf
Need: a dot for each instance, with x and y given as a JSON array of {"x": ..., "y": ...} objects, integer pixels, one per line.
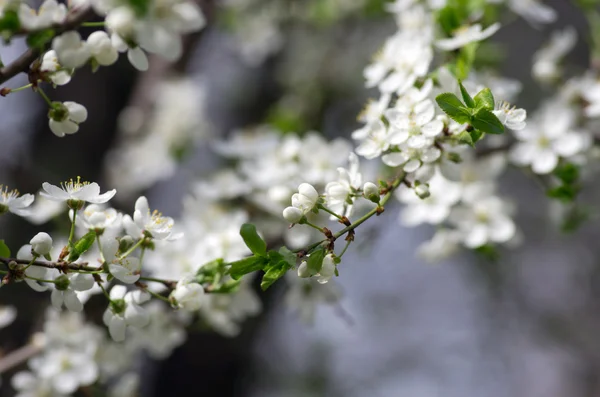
[
  {"x": 465, "y": 95},
  {"x": 453, "y": 107},
  {"x": 256, "y": 244},
  {"x": 574, "y": 219},
  {"x": 288, "y": 256},
  {"x": 564, "y": 193},
  {"x": 38, "y": 40},
  {"x": 10, "y": 21},
  {"x": 245, "y": 266},
  {"x": 568, "y": 173},
  {"x": 273, "y": 274},
  {"x": 315, "y": 261},
  {"x": 488, "y": 251},
  {"x": 449, "y": 19},
  {"x": 487, "y": 121},
  {"x": 465, "y": 137},
  {"x": 82, "y": 245},
  {"x": 476, "y": 135},
  {"x": 4, "y": 250},
  {"x": 484, "y": 99}
]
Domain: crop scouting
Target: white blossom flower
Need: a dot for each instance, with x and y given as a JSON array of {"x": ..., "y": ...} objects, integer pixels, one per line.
[
  {"x": 127, "y": 312},
  {"x": 292, "y": 214},
  {"x": 403, "y": 59},
  {"x": 41, "y": 243},
  {"x": 375, "y": 140},
  {"x": 76, "y": 190},
  {"x": 465, "y": 35},
  {"x": 482, "y": 221},
  {"x": 510, "y": 116},
  {"x": 64, "y": 118},
  {"x": 188, "y": 294},
  {"x": 411, "y": 159},
  {"x": 550, "y": 136},
  {"x": 26, "y": 384},
  {"x": 55, "y": 72},
  {"x": 76, "y": 282},
  {"x": 127, "y": 270},
  {"x": 337, "y": 193},
  {"x": 434, "y": 209},
  {"x": 71, "y": 51},
  {"x": 306, "y": 198},
  {"x": 145, "y": 222},
  {"x": 101, "y": 48},
  {"x": 443, "y": 244},
  {"x": 37, "y": 272},
  {"x": 50, "y": 12},
  {"x": 327, "y": 269},
  {"x": 414, "y": 124},
  {"x": 96, "y": 217},
  {"x": 66, "y": 369},
  {"x": 7, "y": 315},
  {"x": 545, "y": 61},
  {"x": 10, "y": 201}
]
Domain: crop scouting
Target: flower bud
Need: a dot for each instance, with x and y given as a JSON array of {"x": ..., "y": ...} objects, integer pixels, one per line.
[
  {"x": 292, "y": 214},
  {"x": 303, "y": 271},
  {"x": 327, "y": 269},
  {"x": 41, "y": 243},
  {"x": 308, "y": 191},
  {"x": 371, "y": 192},
  {"x": 422, "y": 190},
  {"x": 188, "y": 295},
  {"x": 62, "y": 283}
]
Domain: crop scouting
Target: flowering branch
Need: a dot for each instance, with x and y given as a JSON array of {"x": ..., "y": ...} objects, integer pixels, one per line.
[{"x": 23, "y": 62}]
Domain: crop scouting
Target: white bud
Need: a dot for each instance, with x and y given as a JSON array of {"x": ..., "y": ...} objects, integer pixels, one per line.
[
  {"x": 303, "y": 271},
  {"x": 327, "y": 269},
  {"x": 41, "y": 243},
  {"x": 422, "y": 190},
  {"x": 188, "y": 294},
  {"x": 371, "y": 192},
  {"x": 308, "y": 191},
  {"x": 292, "y": 214}
]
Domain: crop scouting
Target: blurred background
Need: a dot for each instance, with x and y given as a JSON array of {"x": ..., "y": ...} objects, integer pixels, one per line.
[{"x": 525, "y": 325}]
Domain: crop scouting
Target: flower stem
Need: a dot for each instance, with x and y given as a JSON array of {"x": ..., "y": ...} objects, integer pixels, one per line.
[
  {"x": 377, "y": 210},
  {"x": 103, "y": 290},
  {"x": 43, "y": 95},
  {"x": 100, "y": 249},
  {"x": 41, "y": 280},
  {"x": 72, "y": 232},
  {"x": 133, "y": 248},
  {"x": 322, "y": 207},
  {"x": 159, "y": 296},
  {"x": 21, "y": 88},
  {"x": 93, "y": 24},
  {"x": 345, "y": 248}
]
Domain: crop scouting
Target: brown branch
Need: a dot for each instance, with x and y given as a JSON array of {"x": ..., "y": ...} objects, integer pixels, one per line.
[
  {"x": 51, "y": 265},
  {"x": 22, "y": 63}
]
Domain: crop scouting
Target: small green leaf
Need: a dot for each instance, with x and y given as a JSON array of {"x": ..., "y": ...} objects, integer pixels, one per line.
[
  {"x": 574, "y": 219},
  {"x": 484, "y": 99},
  {"x": 568, "y": 173},
  {"x": 448, "y": 19},
  {"x": 273, "y": 274},
  {"x": 82, "y": 245},
  {"x": 38, "y": 40},
  {"x": 288, "y": 256},
  {"x": 10, "y": 21},
  {"x": 564, "y": 193},
  {"x": 4, "y": 250},
  {"x": 245, "y": 266},
  {"x": 465, "y": 137},
  {"x": 256, "y": 244},
  {"x": 488, "y": 251},
  {"x": 315, "y": 261},
  {"x": 476, "y": 135},
  {"x": 487, "y": 121},
  {"x": 453, "y": 107},
  {"x": 465, "y": 95}
]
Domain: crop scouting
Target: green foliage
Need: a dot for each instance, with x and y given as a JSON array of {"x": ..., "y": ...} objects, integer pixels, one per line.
[
  {"x": 82, "y": 245},
  {"x": 475, "y": 111},
  {"x": 568, "y": 175},
  {"x": 10, "y": 21},
  {"x": 574, "y": 219},
  {"x": 484, "y": 99},
  {"x": 4, "y": 250},
  {"x": 140, "y": 7},
  {"x": 453, "y": 107},
  {"x": 247, "y": 265},
  {"x": 256, "y": 244},
  {"x": 39, "y": 39},
  {"x": 488, "y": 251},
  {"x": 315, "y": 260},
  {"x": 487, "y": 121}
]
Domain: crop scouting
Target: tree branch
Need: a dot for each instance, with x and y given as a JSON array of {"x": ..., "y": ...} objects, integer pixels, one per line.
[{"x": 22, "y": 63}]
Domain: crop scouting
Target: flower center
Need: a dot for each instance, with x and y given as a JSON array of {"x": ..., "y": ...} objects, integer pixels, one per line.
[
  {"x": 6, "y": 195},
  {"x": 73, "y": 186},
  {"x": 543, "y": 141}
]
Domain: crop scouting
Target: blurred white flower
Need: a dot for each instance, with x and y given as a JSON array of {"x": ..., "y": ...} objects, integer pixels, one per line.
[
  {"x": 465, "y": 35},
  {"x": 50, "y": 12},
  {"x": 188, "y": 294},
  {"x": 10, "y": 201},
  {"x": 76, "y": 190}
]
